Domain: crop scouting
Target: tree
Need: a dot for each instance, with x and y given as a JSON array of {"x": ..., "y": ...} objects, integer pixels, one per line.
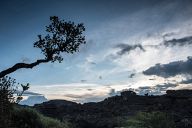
[
  {"x": 7, "y": 91},
  {"x": 62, "y": 37},
  {"x": 6, "y": 98}
]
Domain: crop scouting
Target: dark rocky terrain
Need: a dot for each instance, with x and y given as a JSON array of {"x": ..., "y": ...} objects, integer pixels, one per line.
[{"x": 110, "y": 112}]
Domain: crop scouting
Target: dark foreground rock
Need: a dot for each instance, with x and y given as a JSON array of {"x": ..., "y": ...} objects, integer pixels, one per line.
[{"x": 110, "y": 112}]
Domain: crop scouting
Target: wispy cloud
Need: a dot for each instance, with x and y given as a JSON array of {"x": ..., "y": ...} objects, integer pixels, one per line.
[
  {"x": 178, "y": 42},
  {"x": 126, "y": 48}
]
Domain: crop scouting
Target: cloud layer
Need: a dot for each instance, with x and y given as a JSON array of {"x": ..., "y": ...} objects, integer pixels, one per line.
[{"x": 171, "y": 69}]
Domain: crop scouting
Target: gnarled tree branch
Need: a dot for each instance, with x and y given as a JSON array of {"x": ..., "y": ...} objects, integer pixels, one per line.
[
  {"x": 62, "y": 37},
  {"x": 22, "y": 65}
]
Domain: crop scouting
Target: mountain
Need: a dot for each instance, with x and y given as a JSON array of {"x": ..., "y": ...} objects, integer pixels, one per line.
[{"x": 109, "y": 112}]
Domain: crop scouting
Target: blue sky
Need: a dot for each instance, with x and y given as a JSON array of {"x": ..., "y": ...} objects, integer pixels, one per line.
[{"x": 114, "y": 30}]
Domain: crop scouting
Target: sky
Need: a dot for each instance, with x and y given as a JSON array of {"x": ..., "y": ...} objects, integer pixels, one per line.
[{"x": 144, "y": 45}]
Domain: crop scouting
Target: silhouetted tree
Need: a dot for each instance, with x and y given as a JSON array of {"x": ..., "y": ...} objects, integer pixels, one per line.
[
  {"x": 6, "y": 97},
  {"x": 8, "y": 90},
  {"x": 62, "y": 37}
]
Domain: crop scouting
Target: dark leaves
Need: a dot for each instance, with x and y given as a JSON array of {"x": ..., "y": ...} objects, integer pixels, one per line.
[{"x": 62, "y": 37}]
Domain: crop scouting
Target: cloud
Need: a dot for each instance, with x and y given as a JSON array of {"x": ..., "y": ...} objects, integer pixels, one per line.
[
  {"x": 89, "y": 89},
  {"x": 32, "y": 100},
  {"x": 158, "y": 89},
  {"x": 165, "y": 86},
  {"x": 188, "y": 81},
  {"x": 28, "y": 93},
  {"x": 83, "y": 81},
  {"x": 31, "y": 93},
  {"x": 126, "y": 48},
  {"x": 178, "y": 42},
  {"x": 90, "y": 99},
  {"x": 25, "y": 59},
  {"x": 183, "y": 41},
  {"x": 171, "y": 69},
  {"x": 92, "y": 63},
  {"x": 131, "y": 75},
  {"x": 168, "y": 34},
  {"x": 145, "y": 87},
  {"x": 113, "y": 92},
  {"x": 84, "y": 98}
]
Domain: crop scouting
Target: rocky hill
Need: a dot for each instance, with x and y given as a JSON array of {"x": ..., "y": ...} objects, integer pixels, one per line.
[{"x": 110, "y": 112}]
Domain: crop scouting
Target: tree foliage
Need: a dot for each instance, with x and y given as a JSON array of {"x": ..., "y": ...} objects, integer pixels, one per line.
[
  {"x": 9, "y": 95},
  {"x": 62, "y": 37}
]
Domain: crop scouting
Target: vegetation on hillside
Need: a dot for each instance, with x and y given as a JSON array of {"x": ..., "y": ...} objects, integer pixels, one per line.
[
  {"x": 150, "y": 120},
  {"x": 9, "y": 95},
  {"x": 30, "y": 118}
]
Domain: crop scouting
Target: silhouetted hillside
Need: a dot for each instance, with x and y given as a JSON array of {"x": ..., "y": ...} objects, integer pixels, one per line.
[{"x": 110, "y": 112}]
